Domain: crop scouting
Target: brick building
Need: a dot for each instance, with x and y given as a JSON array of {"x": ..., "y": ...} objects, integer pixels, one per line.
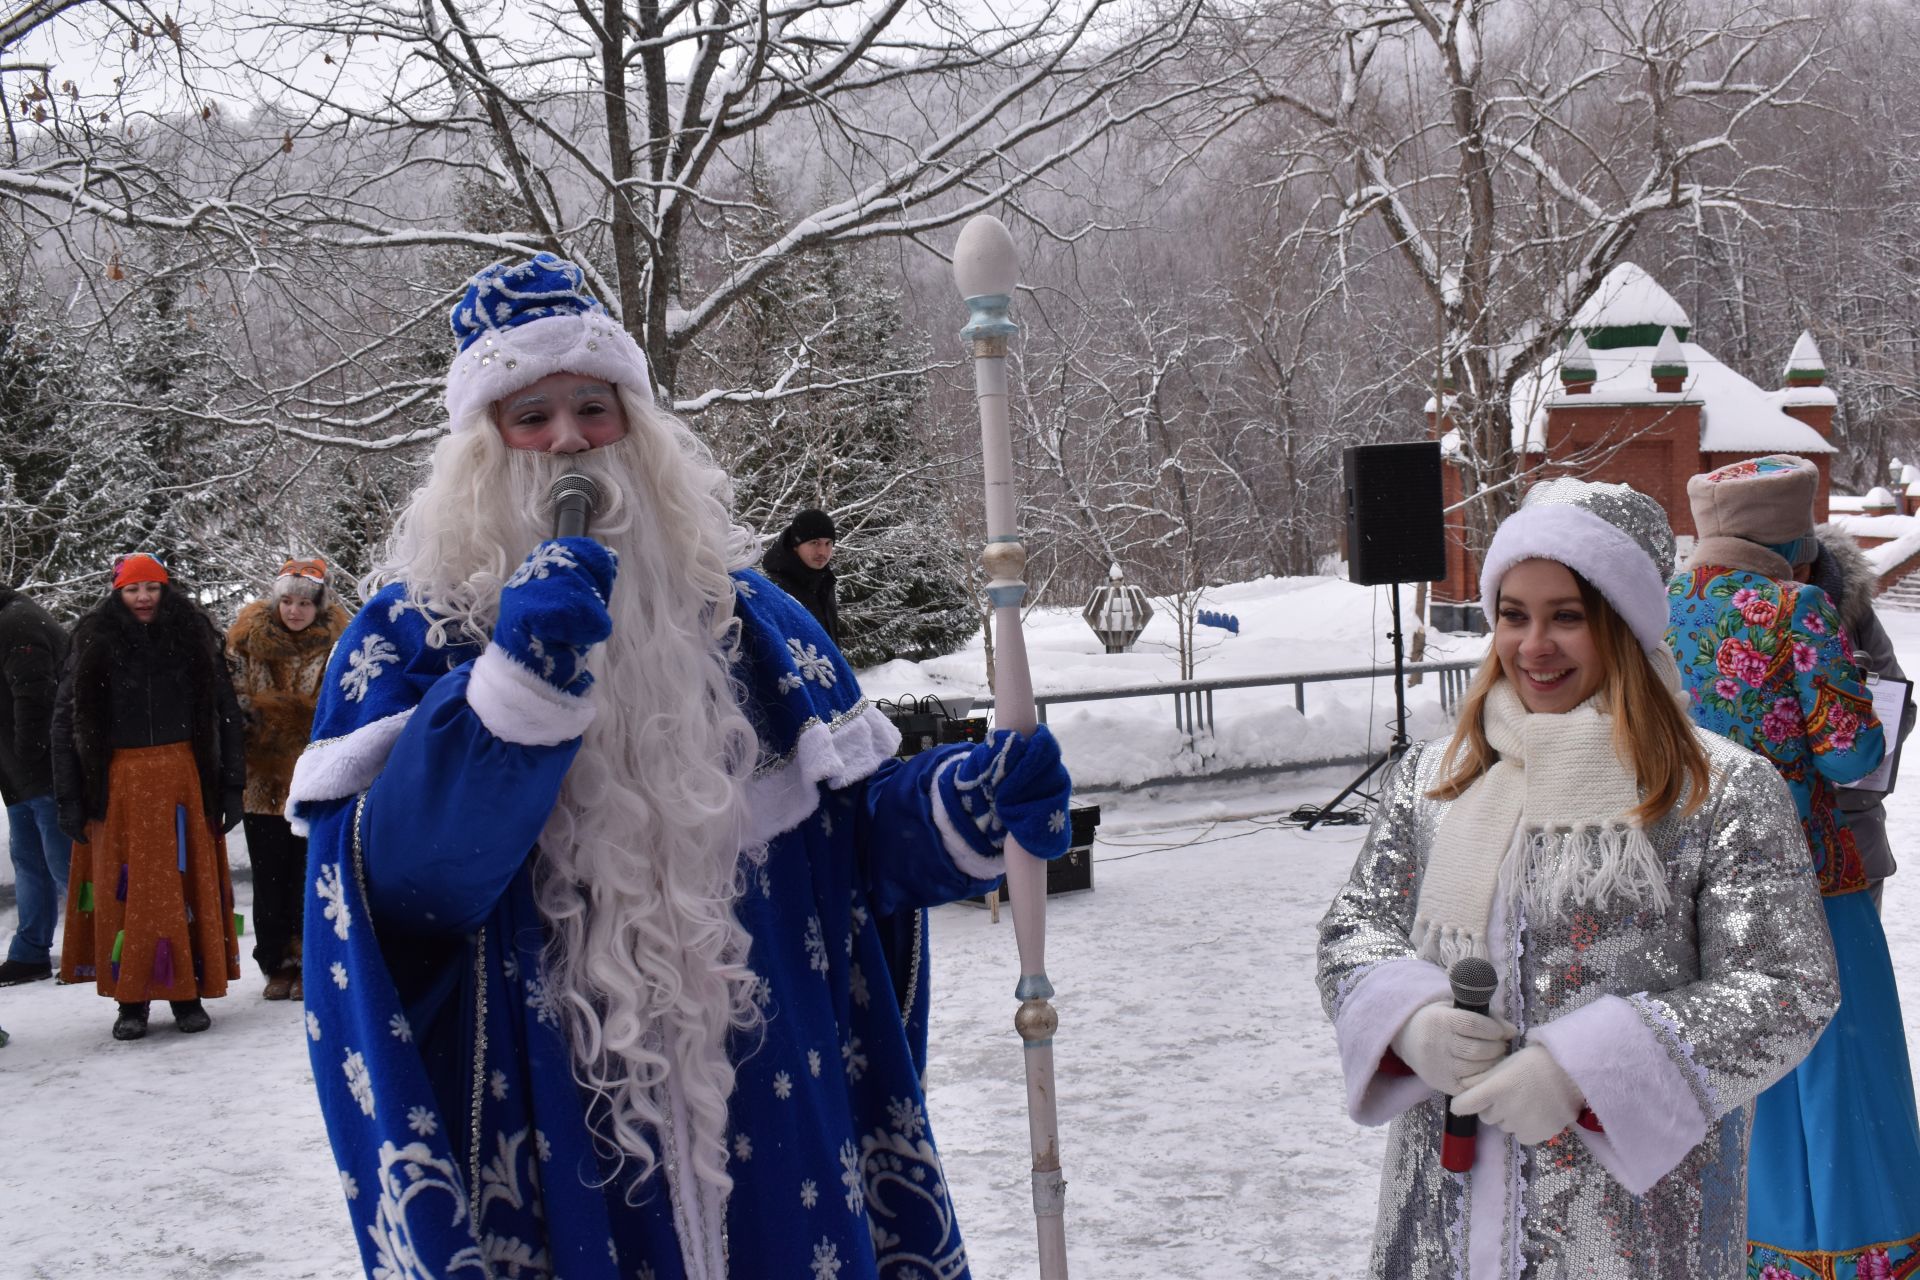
[{"x": 1632, "y": 399}]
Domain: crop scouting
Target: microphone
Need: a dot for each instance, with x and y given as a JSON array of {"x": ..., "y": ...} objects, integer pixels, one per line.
[
  {"x": 574, "y": 499},
  {"x": 1473, "y": 981}
]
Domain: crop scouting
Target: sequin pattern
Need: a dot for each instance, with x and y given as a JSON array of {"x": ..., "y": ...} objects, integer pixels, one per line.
[{"x": 1735, "y": 981}]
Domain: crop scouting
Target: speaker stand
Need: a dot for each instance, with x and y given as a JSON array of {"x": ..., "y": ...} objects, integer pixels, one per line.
[{"x": 1396, "y": 748}]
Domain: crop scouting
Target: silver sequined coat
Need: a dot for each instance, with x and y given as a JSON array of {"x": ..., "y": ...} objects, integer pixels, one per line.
[{"x": 1671, "y": 1022}]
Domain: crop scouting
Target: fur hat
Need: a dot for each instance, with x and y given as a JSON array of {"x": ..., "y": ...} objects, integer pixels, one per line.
[
  {"x": 1765, "y": 500},
  {"x": 303, "y": 579},
  {"x": 518, "y": 323},
  {"x": 1614, "y": 536},
  {"x": 807, "y": 525},
  {"x": 137, "y": 566}
]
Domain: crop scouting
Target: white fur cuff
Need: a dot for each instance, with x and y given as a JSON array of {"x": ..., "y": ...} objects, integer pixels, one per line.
[
  {"x": 1372, "y": 1013},
  {"x": 342, "y": 766},
  {"x": 784, "y": 795},
  {"x": 519, "y": 707},
  {"x": 1649, "y": 1112}
]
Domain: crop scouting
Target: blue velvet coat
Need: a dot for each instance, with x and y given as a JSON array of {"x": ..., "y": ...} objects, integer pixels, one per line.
[{"x": 462, "y": 1140}]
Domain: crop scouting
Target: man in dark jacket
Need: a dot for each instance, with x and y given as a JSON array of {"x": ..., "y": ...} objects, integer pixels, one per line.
[
  {"x": 798, "y": 561},
  {"x": 32, "y": 648}
]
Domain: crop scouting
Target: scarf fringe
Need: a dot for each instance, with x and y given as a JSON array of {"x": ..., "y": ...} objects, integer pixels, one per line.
[
  {"x": 1447, "y": 945},
  {"x": 1588, "y": 865}
]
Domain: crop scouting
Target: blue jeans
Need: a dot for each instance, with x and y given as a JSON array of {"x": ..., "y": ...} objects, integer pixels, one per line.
[{"x": 41, "y": 855}]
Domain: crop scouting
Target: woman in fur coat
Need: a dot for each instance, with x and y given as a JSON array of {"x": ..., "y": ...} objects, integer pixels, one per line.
[
  {"x": 277, "y": 649},
  {"x": 148, "y": 767},
  {"x": 1640, "y": 890}
]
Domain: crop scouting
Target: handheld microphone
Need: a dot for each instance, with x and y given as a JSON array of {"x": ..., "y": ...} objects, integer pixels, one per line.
[
  {"x": 1473, "y": 981},
  {"x": 574, "y": 499}
]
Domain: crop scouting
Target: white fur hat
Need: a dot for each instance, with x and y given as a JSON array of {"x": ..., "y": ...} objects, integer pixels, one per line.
[
  {"x": 1614, "y": 536},
  {"x": 517, "y": 324}
]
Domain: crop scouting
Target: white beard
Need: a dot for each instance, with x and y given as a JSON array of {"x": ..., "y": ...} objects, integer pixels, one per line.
[{"x": 640, "y": 860}]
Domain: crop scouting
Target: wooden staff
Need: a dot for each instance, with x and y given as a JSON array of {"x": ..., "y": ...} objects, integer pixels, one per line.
[{"x": 985, "y": 270}]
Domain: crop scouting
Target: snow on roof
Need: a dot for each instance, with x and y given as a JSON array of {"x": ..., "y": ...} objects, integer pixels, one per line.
[
  {"x": 1858, "y": 526},
  {"x": 1879, "y": 496},
  {"x": 1735, "y": 415},
  {"x": 1840, "y": 503},
  {"x": 1629, "y": 296},
  {"x": 1889, "y": 556},
  {"x": 1806, "y": 354},
  {"x": 1807, "y": 397}
]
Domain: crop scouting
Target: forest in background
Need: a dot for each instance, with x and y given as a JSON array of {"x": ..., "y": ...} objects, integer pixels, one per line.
[{"x": 1251, "y": 234}]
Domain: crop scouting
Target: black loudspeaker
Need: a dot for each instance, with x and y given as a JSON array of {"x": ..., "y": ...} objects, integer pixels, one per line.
[{"x": 1395, "y": 531}]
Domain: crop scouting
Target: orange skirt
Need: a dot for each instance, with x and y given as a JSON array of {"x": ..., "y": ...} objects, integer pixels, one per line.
[{"x": 149, "y": 896}]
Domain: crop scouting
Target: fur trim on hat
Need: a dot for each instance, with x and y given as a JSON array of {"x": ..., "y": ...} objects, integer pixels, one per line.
[
  {"x": 1606, "y": 556},
  {"x": 517, "y": 324}
]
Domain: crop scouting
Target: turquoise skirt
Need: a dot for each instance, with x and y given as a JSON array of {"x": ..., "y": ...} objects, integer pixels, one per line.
[{"x": 1834, "y": 1174}]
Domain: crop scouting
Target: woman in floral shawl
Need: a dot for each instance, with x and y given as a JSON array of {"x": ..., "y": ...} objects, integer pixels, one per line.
[{"x": 1835, "y": 1178}]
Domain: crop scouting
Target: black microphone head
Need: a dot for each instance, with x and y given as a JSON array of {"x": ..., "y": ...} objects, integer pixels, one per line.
[
  {"x": 571, "y": 483},
  {"x": 1473, "y": 981}
]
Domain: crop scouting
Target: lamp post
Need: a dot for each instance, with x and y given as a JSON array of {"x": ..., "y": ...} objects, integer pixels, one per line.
[{"x": 985, "y": 270}]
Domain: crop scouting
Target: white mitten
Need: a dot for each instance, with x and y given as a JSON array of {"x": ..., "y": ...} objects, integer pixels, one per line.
[
  {"x": 1528, "y": 1095},
  {"x": 1446, "y": 1047}
]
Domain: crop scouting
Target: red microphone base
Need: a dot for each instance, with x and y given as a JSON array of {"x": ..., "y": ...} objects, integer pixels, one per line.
[{"x": 1456, "y": 1152}]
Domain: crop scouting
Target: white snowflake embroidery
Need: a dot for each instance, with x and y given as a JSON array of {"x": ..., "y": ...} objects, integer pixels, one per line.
[
  {"x": 816, "y": 946},
  {"x": 906, "y": 1117},
  {"x": 813, "y": 1062},
  {"x": 858, "y": 982},
  {"x": 859, "y": 911},
  {"x": 544, "y": 560},
  {"x": 853, "y": 1060},
  {"x": 826, "y": 823},
  {"x": 339, "y": 972},
  {"x": 766, "y": 883},
  {"x": 541, "y": 1146},
  {"x": 313, "y": 1026},
  {"x": 422, "y": 1122},
  {"x": 348, "y": 1185},
  {"x": 334, "y": 894},
  {"x": 1057, "y": 821},
  {"x": 782, "y": 1085},
  {"x": 359, "y": 1081},
  {"x": 363, "y": 666},
  {"x": 826, "y": 1260},
  {"x": 763, "y": 992},
  {"x": 402, "y": 1029},
  {"x": 613, "y": 1253},
  {"x": 742, "y": 1147},
  {"x": 497, "y": 1082},
  {"x": 788, "y": 682},
  {"x": 510, "y": 965},
  {"x": 538, "y": 652},
  {"x": 544, "y": 1001},
  {"x": 809, "y": 1193},
  {"x": 812, "y": 665},
  {"x": 850, "y": 1177}
]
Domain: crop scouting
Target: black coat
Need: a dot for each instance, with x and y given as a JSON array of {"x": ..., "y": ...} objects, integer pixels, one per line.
[
  {"x": 814, "y": 588},
  {"x": 32, "y": 648},
  {"x": 129, "y": 684}
]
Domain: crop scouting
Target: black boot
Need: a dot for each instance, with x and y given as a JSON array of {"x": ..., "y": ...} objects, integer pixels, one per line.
[
  {"x": 189, "y": 1016},
  {"x": 132, "y": 1022}
]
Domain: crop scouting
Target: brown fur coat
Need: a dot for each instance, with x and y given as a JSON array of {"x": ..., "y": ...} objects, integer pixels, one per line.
[{"x": 276, "y": 674}]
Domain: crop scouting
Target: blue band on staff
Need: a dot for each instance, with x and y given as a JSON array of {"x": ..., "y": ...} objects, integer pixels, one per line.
[
  {"x": 988, "y": 317},
  {"x": 1033, "y": 986},
  {"x": 1004, "y": 596}
]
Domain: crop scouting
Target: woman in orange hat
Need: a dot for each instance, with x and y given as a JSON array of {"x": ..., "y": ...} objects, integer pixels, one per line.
[
  {"x": 277, "y": 651},
  {"x": 149, "y": 763}
]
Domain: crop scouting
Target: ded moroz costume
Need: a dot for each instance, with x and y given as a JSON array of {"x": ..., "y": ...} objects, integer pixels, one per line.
[
  {"x": 1654, "y": 973},
  {"x": 1834, "y": 1183},
  {"x": 544, "y": 1045}
]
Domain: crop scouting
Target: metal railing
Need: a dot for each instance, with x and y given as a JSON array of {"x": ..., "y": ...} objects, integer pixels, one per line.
[{"x": 1193, "y": 699}]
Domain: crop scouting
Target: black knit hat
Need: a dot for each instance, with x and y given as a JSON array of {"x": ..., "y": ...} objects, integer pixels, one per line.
[{"x": 808, "y": 525}]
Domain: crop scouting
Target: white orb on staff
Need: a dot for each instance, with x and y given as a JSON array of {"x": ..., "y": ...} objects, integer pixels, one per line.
[{"x": 986, "y": 272}]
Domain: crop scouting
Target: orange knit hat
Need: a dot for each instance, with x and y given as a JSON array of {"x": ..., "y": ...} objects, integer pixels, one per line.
[{"x": 135, "y": 567}]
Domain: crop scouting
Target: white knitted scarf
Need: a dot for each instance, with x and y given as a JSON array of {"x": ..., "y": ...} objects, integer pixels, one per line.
[{"x": 1548, "y": 821}]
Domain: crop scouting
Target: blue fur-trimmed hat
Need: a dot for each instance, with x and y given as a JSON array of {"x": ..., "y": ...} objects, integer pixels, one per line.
[{"x": 518, "y": 322}]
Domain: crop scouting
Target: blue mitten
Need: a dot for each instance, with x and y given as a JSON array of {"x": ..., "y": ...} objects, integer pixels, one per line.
[
  {"x": 1013, "y": 783},
  {"x": 553, "y": 610}
]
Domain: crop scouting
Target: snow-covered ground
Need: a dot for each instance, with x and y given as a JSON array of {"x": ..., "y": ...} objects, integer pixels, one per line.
[{"x": 1201, "y": 1125}]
